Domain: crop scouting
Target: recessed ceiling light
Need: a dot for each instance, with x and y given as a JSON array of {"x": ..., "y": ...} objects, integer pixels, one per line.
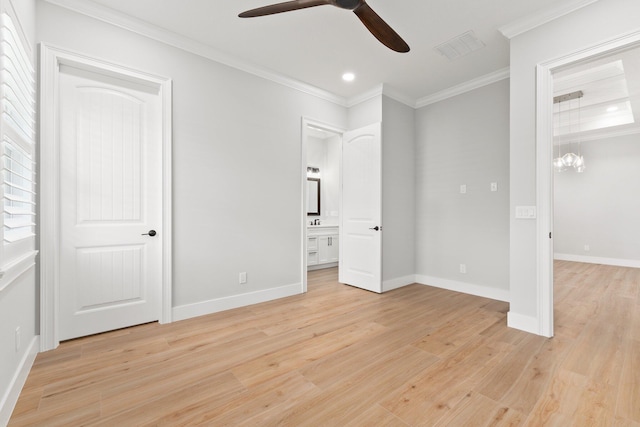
[
  {"x": 612, "y": 109},
  {"x": 348, "y": 77}
]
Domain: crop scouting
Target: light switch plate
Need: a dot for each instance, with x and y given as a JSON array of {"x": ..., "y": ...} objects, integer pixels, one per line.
[{"x": 526, "y": 212}]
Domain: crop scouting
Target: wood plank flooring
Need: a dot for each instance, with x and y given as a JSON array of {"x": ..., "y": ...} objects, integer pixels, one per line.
[{"x": 340, "y": 356}]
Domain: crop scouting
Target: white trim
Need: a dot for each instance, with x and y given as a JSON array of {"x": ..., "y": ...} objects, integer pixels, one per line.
[
  {"x": 465, "y": 288},
  {"x": 396, "y": 95},
  {"x": 50, "y": 60},
  {"x": 16, "y": 268},
  {"x": 468, "y": 86},
  {"x": 379, "y": 90},
  {"x": 398, "y": 282},
  {"x": 542, "y": 17},
  {"x": 10, "y": 398},
  {"x": 187, "y": 44},
  {"x": 544, "y": 203},
  {"x": 203, "y": 308},
  {"x": 322, "y": 266},
  {"x": 523, "y": 323},
  {"x": 544, "y": 168},
  {"x": 618, "y": 262},
  {"x": 363, "y": 97}
]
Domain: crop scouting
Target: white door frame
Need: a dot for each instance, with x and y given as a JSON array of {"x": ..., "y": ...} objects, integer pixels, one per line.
[
  {"x": 303, "y": 167},
  {"x": 544, "y": 168},
  {"x": 49, "y": 184}
]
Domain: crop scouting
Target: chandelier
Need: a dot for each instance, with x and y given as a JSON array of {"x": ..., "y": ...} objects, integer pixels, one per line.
[{"x": 571, "y": 158}]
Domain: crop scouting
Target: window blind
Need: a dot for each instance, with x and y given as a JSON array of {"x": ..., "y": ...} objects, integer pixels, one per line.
[
  {"x": 19, "y": 194},
  {"x": 17, "y": 124}
]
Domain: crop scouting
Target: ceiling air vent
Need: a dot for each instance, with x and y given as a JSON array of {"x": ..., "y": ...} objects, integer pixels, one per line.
[{"x": 460, "y": 46}]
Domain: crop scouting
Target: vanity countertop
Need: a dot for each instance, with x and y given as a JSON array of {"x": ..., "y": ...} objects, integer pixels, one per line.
[{"x": 323, "y": 226}]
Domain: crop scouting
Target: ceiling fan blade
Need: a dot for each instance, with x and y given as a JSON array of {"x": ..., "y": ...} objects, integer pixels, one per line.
[
  {"x": 282, "y": 7},
  {"x": 380, "y": 29}
]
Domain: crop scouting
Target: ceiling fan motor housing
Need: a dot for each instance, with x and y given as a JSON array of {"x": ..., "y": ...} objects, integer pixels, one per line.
[{"x": 347, "y": 4}]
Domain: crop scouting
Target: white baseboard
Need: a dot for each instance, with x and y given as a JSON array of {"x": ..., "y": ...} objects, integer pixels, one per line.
[
  {"x": 188, "y": 311},
  {"x": 466, "y": 288},
  {"x": 322, "y": 266},
  {"x": 398, "y": 282},
  {"x": 633, "y": 263},
  {"x": 523, "y": 323},
  {"x": 9, "y": 400}
]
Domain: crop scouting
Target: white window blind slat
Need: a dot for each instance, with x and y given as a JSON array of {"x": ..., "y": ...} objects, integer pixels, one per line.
[
  {"x": 16, "y": 210},
  {"x": 15, "y": 199},
  {"x": 13, "y": 236}
]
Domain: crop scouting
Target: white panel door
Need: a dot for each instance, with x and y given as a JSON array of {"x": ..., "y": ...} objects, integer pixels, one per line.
[
  {"x": 110, "y": 199},
  {"x": 361, "y": 230}
]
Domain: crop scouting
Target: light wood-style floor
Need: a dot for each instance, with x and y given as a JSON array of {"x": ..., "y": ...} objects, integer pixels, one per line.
[{"x": 340, "y": 356}]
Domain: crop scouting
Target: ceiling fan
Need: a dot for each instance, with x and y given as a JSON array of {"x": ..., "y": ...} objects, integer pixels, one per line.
[{"x": 380, "y": 29}]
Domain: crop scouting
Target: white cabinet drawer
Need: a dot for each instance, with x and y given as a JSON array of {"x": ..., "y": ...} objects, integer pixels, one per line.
[
  {"x": 312, "y": 258},
  {"x": 312, "y": 244}
]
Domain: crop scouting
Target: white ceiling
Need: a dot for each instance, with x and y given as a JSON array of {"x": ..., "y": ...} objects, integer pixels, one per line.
[
  {"x": 610, "y": 104},
  {"x": 317, "y": 45}
]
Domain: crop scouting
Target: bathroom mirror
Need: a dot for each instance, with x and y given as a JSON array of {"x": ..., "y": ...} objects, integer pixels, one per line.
[{"x": 313, "y": 196}]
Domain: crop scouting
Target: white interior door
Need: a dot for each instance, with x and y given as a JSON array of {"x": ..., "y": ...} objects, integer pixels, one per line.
[
  {"x": 361, "y": 230},
  {"x": 110, "y": 199}
]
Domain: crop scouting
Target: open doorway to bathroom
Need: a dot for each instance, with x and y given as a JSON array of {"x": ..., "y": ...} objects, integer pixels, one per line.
[{"x": 322, "y": 148}]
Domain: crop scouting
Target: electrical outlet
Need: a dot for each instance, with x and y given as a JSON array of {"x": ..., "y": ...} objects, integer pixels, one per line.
[
  {"x": 243, "y": 277},
  {"x": 18, "y": 338},
  {"x": 587, "y": 248},
  {"x": 463, "y": 268},
  {"x": 494, "y": 186},
  {"x": 463, "y": 189}
]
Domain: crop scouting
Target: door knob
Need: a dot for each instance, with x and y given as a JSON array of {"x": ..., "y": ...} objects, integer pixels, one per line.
[
  {"x": 376, "y": 228},
  {"x": 150, "y": 233}
]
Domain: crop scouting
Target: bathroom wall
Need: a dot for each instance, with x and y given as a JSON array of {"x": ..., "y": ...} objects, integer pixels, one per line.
[{"x": 325, "y": 154}]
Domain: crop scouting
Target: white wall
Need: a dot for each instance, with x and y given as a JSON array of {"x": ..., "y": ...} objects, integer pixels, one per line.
[
  {"x": 601, "y": 206},
  {"x": 464, "y": 140},
  {"x": 587, "y": 27},
  {"x": 325, "y": 154},
  {"x": 365, "y": 113},
  {"x": 398, "y": 193},
  {"x": 18, "y": 300},
  {"x": 237, "y": 192}
]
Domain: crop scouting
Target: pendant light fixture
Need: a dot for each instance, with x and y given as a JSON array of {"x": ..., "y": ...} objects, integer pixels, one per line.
[{"x": 570, "y": 159}]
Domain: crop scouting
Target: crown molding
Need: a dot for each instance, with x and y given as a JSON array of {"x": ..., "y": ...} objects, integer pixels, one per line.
[
  {"x": 396, "y": 95},
  {"x": 126, "y": 22},
  {"x": 365, "y": 96},
  {"x": 468, "y": 86},
  {"x": 379, "y": 90},
  {"x": 542, "y": 17}
]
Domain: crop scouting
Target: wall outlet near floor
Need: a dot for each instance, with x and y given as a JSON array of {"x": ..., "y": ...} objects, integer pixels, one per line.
[
  {"x": 463, "y": 268},
  {"x": 18, "y": 338},
  {"x": 494, "y": 186},
  {"x": 463, "y": 189},
  {"x": 243, "y": 277},
  {"x": 587, "y": 248}
]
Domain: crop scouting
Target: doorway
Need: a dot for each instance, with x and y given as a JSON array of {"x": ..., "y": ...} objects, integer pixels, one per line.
[
  {"x": 322, "y": 157},
  {"x": 349, "y": 238},
  {"x": 547, "y": 152},
  {"x": 595, "y": 202}
]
